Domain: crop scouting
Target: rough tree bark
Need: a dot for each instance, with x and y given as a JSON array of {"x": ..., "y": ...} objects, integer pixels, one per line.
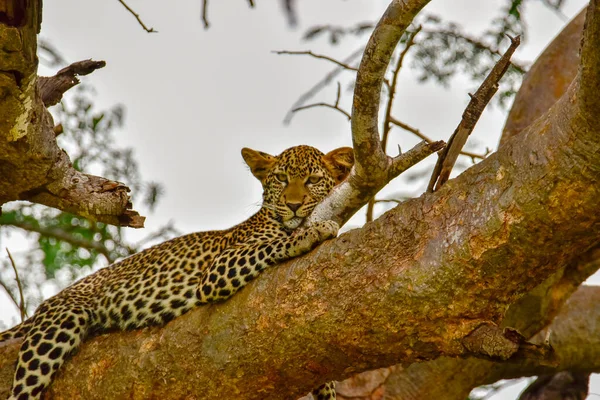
[
  {"x": 32, "y": 166},
  {"x": 414, "y": 285},
  {"x": 547, "y": 80}
]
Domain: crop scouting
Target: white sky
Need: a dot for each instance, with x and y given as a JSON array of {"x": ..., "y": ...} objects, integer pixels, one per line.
[{"x": 195, "y": 97}]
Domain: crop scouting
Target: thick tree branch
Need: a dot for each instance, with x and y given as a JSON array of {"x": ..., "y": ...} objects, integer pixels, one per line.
[
  {"x": 574, "y": 337},
  {"x": 32, "y": 166},
  {"x": 547, "y": 80},
  {"x": 370, "y": 158},
  {"x": 589, "y": 67},
  {"x": 456, "y": 378}
]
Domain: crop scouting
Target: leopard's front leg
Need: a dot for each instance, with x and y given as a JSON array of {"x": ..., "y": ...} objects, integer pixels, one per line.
[{"x": 236, "y": 266}]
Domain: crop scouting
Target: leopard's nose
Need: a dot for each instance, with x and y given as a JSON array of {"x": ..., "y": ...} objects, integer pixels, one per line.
[{"x": 293, "y": 206}]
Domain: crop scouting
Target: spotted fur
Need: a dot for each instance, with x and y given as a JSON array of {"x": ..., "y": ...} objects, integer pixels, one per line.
[{"x": 158, "y": 284}]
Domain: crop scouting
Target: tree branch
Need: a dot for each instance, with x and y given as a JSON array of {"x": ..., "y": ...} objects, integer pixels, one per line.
[
  {"x": 320, "y": 85},
  {"x": 589, "y": 67},
  {"x": 422, "y": 136},
  {"x": 52, "y": 88},
  {"x": 574, "y": 331},
  {"x": 21, "y": 305},
  {"x": 370, "y": 159},
  {"x": 137, "y": 17},
  {"x": 64, "y": 236},
  {"x": 547, "y": 80},
  {"x": 32, "y": 166},
  {"x": 319, "y": 56}
]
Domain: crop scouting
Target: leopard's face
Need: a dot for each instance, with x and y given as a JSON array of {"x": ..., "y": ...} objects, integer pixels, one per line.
[{"x": 298, "y": 179}]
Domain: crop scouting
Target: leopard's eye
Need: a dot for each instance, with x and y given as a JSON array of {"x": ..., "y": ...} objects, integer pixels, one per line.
[
  {"x": 313, "y": 179},
  {"x": 281, "y": 177}
]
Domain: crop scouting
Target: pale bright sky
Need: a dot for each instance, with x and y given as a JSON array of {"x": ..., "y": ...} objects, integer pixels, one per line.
[{"x": 195, "y": 97}]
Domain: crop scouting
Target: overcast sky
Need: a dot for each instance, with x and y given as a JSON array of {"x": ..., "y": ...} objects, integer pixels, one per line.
[{"x": 195, "y": 97}]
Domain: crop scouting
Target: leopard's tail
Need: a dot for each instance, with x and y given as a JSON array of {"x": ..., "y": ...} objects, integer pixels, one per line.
[{"x": 16, "y": 331}]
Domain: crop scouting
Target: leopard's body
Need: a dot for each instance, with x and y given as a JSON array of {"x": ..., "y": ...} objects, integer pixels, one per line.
[{"x": 167, "y": 280}]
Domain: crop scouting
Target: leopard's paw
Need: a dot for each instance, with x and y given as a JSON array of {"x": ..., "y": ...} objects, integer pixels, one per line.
[{"x": 326, "y": 229}]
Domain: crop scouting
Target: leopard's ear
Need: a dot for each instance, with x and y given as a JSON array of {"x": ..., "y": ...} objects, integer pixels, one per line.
[
  {"x": 260, "y": 163},
  {"x": 339, "y": 162}
]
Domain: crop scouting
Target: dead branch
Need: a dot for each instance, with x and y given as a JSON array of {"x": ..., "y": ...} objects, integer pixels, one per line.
[
  {"x": 474, "y": 109},
  {"x": 137, "y": 17},
  {"x": 52, "y": 88}
]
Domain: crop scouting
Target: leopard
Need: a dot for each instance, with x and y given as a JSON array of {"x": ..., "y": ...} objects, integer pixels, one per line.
[{"x": 158, "y": 284}]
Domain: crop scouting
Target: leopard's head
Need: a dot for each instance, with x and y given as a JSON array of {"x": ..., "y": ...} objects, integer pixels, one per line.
[{"x": 295, "y": 181}]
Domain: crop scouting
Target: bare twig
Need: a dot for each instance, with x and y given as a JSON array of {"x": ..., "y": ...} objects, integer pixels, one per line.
[
  {"x": 334, "y": 106},
  {"x": 422, "y": 136},
  {"x": 387, "y": 201},
  {"x": 388, "y": 110},
  {"x": 320, "y": 85},
  {"x": 21, "y": 305},
  {"x": 65, "y": 237},
  {"x": 470, "y": 117},
  {"x": 320, "y": 56},
  {"x": 323, "y": 105},
  {"x": 251, "y": 3},
  {"x": 10, "y": 294},
  {"x": 137, "y": 16},
  {"x": 205, "y": 14}
]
